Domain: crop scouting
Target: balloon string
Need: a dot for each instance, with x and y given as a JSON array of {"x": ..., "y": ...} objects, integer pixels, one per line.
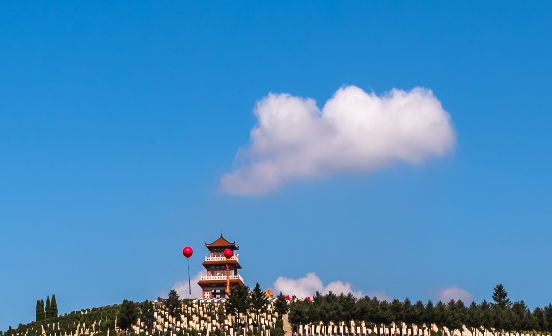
[{"x": 189, "y": 286}]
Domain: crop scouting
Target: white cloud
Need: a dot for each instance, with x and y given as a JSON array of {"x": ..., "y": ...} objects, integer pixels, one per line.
[
  {"x": 453, "y": 292},
  {"x": 182, "y": 288},
  {"x": 309, "y": 285},
  {"x": 354, "y": 132}
]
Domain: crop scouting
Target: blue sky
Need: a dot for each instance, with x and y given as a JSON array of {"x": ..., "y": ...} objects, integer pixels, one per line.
[{"x": 118, "y": 120}]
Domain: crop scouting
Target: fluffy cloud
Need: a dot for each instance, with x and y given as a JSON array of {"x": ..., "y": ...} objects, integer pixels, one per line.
[
  {"x": 355, "y": 131},
  {"x": 453, "y": 292},
  {"x": 182, "y": 288},
  {"x": 309, "y": 285}
]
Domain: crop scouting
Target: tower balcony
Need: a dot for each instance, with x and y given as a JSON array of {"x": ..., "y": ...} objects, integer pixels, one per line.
[
  {"x": 221, "y": 277},
  {"x": 209, "y": 258}
]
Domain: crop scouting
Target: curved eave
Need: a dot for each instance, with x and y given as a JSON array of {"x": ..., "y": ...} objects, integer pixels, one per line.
[{"x": 232, "y": 247}]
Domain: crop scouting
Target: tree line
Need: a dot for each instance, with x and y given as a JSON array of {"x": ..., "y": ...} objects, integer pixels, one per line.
[{"x": 499, "y": 317}]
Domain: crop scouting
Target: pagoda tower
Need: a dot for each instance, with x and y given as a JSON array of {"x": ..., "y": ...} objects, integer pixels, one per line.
[{"x": 214, "y": 282}]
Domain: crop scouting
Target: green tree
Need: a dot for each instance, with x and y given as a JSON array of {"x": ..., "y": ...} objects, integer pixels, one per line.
[
  {"x": 40, "y": 315},
  {"x": 174, "y": 306},
  {"x": 386, "y": 315},
  {"x": 347, "y": 306},
  {"x": 519, "y": 308},
  {"x": 540, "y": 320},
  {"x": 455, "y": 316},
  {"x": 128, "y": 315},
  {"x": 238, "y": 302},
  {"x": 418, "y": 318},
  {"x": 473, "y": 318},
  {"x": 486, "y": 315},
  {"x": 528, "y": 323},
  {"x": 48, "y": 307},
  {"x": 334, "y": 313},
  {"x": 500, "y": 297},
  {"x": 362, "y": 310},
  {"x": 377, "y": 315},
  {"x": 221, "y": 315},
  {"x": 397, "y": 313},
  {"x": 322, "y": 309},
  {"x": 147, "y": 315},
  {"x": 53, "y": 307},
  {"x": 548, "y": 316},
  {"x": 498, "y": 313},
  {"x": 409, "y": 316},
  {"x": 509, "y": 320},
  {"x": 300, "y": 312},
  {"x": 258, "y": 303},
  {"x": 429, "y": 314},
  {"x": 281, "y": 305},
  {"x": 441, "y": 315}
]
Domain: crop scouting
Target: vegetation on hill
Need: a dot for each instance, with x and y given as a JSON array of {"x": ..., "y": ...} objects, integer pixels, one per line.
[
  {"x": 500, "y": 317},
  {"x": 249, "y": 312},
  {"x": 162, "y": 317}
]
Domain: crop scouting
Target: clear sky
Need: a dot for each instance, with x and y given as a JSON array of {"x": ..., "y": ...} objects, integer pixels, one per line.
[{"x": 119, "y": 119}]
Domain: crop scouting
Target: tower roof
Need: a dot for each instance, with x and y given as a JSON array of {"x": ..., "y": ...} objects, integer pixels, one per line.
[{"x": 221, "y": 242}]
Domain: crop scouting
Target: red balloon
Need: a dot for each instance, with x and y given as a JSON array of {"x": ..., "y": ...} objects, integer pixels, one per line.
[
  {"x": 228, "y": 253},
  {"x": 187, "y": 251}
]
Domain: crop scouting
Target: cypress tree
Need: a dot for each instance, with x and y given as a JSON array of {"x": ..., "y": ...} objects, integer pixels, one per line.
[
  {"x": 48, "y": 307},
  {"x": 39, "y": 310},
  {"x": 53, "y": 307},
  {"x": 43, "y": 314}
]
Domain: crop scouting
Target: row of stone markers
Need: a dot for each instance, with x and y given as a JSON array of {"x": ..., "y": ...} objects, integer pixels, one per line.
[
  {"x": 360, "y": 329},
  {"x": 201, "y": 315}
]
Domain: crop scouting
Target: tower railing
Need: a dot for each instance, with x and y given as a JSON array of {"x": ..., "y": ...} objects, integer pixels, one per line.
[
  {"x": 209, "y": 258},
  {"x": 222, "y": 277}
]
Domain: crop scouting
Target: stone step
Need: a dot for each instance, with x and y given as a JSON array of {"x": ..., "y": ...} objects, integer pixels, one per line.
[{"x": 287, "y": 326}]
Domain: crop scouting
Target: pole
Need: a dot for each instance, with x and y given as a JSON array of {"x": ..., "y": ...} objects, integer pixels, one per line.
[{"x": 227, "y": 279}]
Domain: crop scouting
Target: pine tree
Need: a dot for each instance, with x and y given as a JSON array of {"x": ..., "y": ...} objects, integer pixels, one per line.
[
  {"x": 519, "y": 309},
  {"x": 281, "y": 305},
  {"x": 441, "y": 315},
  {"x": 258, "y": 302},
  {"x": 548, "y": 316},
  {"x": 48, "y": 308},
  {"x": 429, "y": 314},
  {"x": 486, "y": 315},
  {"x": 397, "y": 312},
  {"x": 53, "y": 307},
  {"x": 238, "y": 302},
  {"x": 473, "y": 317},
  {"x": 419, "y": 315},
  {"x": 346, "y": 306},
  {"x": 173, "y": 304},
  {"x": 408, "y": 315},
  {"x": 500, "y": 297}
]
